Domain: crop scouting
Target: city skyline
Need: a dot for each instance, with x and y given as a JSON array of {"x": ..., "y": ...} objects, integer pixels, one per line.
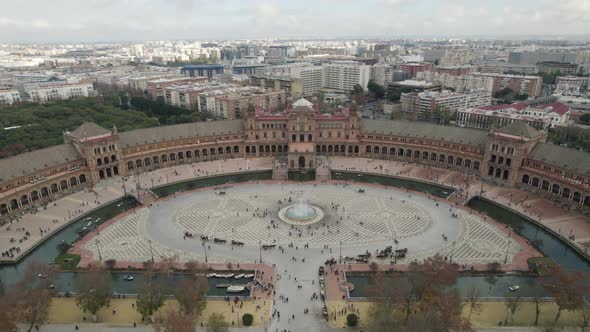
[{"x": 107, "y": 20}]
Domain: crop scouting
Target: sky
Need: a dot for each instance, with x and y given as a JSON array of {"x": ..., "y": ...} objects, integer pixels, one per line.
[{"x": 130, "y": 20}]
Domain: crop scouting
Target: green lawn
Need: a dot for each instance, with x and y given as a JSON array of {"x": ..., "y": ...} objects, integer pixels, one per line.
[
  {"x": 540, "y": 264},
  {"x": 67, "y": 261}
]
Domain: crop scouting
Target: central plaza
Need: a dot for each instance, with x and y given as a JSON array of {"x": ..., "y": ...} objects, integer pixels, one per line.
[{"x": 356, "y": 217}]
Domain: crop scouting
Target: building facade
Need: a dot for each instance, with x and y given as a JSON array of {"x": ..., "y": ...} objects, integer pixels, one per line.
[
  {"x": 515, "y": 155},
  {"x": 570, "y": 85},
  {"x": 424, "y": 105},
  {"x": 343, "y": 76},
  {"x": 523, "y": 84},
  {"x": 42, "y": 93},
  {"x": 9, "y": 97}
]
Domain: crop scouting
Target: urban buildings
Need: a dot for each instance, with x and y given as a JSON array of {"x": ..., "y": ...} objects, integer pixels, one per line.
[
  {"x": 382, "y": 74},
  {"x": 532, "y": 58},
  {"x": 570, "y": 85},
  {"x": 209, "y": 71},
  {"x": 540, "y": 117},
  {"x": 8, "y": 96},
  {"x": 155, "y": 88},
  {"x": 292, "y": 86},
  {"x": 458, "y": 83},
  {"x": 425, "y": 105},
  {"x": 523, "y": 84},
  {"x": 558, "y": 67},
  {"x": 342, "y": 77},
  {"x": 44, "y": 92},
  {"x": 414, "y": 68}
]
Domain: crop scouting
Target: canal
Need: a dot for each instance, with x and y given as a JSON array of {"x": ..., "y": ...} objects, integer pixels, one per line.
[
  {"x": 169, "y": 189},
  {"x": 429, "y": 188}
]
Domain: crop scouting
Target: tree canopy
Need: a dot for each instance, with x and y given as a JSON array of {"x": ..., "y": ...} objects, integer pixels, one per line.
[{"x": 42, "y": 125}]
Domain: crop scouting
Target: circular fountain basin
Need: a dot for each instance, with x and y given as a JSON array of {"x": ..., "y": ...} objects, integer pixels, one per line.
[{"x": 301, "y": 214}]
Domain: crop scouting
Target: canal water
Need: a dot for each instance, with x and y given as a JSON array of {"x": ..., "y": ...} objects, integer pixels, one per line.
[
  {"x": 301, "y": 176},
  {"x": 66, "y": 282},
  {"x": 170, "y": 189},
  {"x": 551, "y": 246},
  {"x": 47, "y": 251},
  {"x": 433, "y": 189},
  {"x": 487, "y": 285}
]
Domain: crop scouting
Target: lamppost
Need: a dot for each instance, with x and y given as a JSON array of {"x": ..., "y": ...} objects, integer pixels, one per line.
[
  {"x": 151, "y": 250},
  {"x": 507, "y": 248},
  {"x": 340, "y": 261},
  {"x": 452, "y": 251},
  {"x": 98, "y": 249},
  {"x": 205, "y": 247},
  {"x": 260, "y": 251}
]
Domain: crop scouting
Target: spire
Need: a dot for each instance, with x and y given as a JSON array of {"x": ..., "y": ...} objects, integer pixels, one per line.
[{"x": 114, "y": 129}]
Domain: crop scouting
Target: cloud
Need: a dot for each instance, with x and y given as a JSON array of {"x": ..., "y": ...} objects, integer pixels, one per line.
[{"x": 90, "y": 20}]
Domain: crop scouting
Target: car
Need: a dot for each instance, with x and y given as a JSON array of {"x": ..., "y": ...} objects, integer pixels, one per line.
[{"x": 514, "y": 288}]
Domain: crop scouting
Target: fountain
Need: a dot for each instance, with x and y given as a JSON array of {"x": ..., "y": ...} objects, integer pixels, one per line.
[{"x": 301, "y": 213}]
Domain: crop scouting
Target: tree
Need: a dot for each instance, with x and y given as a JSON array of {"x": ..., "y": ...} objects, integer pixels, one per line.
[
  {"x": 585, "y": 118},
  {"x": 194, "y": 266},
  {"x": 377, "y": 89},
  {"x": 247, "y": 319},
  {"x": 32, "y": 296},
  {"x": 110, "y": 263},
  {"x": 504, "y": 93},
  {"x": 473, "y": 301},
  {"x": 150, "y": 295},
  {"x": 422, "y": 298},
  {"x": 191, "y": 295},
  {"x": 8, "y": 312},
  {"x": 358, "y": 94},
  {"x": 216, "y": 323},
  {"x": 567, "y": 287},
  {"x": 493, "y": 267},
  {"x": 94, "y": 289},
  {"x": 12, "y": 150},
  {"x": 352, "y": 320},
  {"x": 175, "y": 321},
  {"x": 537, "y": 300},
  {"x": 512, "y": 304},
  {"x": 585, "y": 318}
]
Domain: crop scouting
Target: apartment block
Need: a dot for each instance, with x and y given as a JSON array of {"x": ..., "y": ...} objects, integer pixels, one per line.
[
  {"x": 570, "y": 85},
  {"x": 341, "y": 77},
  {"x": 9, "y": 97},
  {"x": 51, "y": 92},
  {"x": 423, "y": 105}
]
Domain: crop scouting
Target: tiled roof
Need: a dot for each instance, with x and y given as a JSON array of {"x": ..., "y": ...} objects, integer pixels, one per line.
[
  {"x": 520, "y": 128},
  {"x": 517, "y": 106},
  {"x": 34, "y": 161},
  {"x": 563, "y": 157},
  {"x": 180, "y": 131},
  {"x": 558, "y": 108},
  {"x": 89, "y": 129},
  {"x": 467, "y": 136}
]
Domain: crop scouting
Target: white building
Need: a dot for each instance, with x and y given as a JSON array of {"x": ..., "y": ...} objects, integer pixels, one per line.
[
  {"x": 382, "y": 73},
  {"x": 540, "y": 117},
  {"x": 8, "y": 97},
  {"x": 311, "y": 78},
  {"x": 458, "y": 83},
  {"x": 343, "y": 76},
  {"x": 570, "y": 85},
  {"x": 60, "y": 92},
  {"x": 424, "y": 105}
]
